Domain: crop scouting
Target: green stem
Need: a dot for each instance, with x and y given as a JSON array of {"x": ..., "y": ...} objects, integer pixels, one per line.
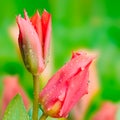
[
  {"x": 36, "y": 95},
  {"x": 43, "y": 117}
]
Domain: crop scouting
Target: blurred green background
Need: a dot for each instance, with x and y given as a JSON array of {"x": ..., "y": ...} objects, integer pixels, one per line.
[{"x": 76, "y": 24}]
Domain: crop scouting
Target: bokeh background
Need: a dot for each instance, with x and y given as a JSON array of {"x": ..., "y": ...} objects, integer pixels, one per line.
[{"x": 93, "y": 25}]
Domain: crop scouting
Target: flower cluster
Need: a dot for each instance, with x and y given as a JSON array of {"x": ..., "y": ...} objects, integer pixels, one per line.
[
  {"x": 70, "y": 83},
  {"x": 67, "y": 86}
]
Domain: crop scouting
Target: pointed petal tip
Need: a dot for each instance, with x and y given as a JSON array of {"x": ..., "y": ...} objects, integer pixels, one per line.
[
  {"x": 25, "y": 11},
  {"x": 35, "y": 17},
  {"x": 37, "y": 14},
  {"x": 26, "y": 17},
  {"x": 75, "y": 54},
  {"x": 44, "y": 10},
  {"x": 18, "y": 19},
  {"x": 84, "y": 53},
  {"x": 37, "y": 10},
  {"x": 46, "y": 13}
]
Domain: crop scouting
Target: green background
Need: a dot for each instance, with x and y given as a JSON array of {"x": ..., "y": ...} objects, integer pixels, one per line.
[{"x": 76, "y": 24}]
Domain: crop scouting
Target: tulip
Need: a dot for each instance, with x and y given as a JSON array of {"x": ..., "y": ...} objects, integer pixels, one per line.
[
  {"x": 66, "y": 87},
  {"x": 34, "y": 40}
]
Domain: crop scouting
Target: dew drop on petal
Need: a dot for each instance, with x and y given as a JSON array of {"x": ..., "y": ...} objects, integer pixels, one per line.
[
  {"x": 82, "y": 68},
  {"x": 62, "y": 95}
]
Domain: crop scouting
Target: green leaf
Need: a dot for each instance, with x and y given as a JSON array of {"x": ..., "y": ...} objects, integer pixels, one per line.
[{"x": 16, "y": 110}]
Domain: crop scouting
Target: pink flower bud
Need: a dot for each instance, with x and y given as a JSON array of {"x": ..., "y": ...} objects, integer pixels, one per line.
[
  {"x": 34, "y": 40},
  {"x": 66, "y": 87}
]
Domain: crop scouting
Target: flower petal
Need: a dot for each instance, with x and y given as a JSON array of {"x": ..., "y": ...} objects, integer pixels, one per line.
[
  {"x": 30, "y": 46},
  {"x": 69, "y": 70},
  {"x": 78, "y": 86},
  {"x": 36, "y": 22},
  {"x": 46, "y": 28},
  {"x": 68, "y": 85},
  {"x": 26, "y": 16}
]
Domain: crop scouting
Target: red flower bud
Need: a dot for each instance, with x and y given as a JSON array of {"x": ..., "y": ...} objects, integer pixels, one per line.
[
  {"x": 34, "y": 40},
  {"x": 66, "y": 87}
]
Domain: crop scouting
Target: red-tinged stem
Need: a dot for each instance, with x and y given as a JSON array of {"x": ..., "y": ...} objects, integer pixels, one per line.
[{"x": 36, "y": 95}]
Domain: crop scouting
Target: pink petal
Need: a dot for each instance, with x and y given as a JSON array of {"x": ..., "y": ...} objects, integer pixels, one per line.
[
  {"x": 46, "y": 29},
  {"x": 68, "y": 70},
  {"x": 74, "y": 54},
  {"x": 68, "y": 85},
  {"x": 78, "y": 86},
  {"x": 57, "y": 92},
  {"x": 26, "y": 16},
  {"x": 30, "y": 44}
]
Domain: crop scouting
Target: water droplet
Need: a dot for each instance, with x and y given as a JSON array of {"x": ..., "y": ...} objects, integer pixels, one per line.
[
  {"x": 82, "y": 68},
  {"x": 62, "y": 95}
]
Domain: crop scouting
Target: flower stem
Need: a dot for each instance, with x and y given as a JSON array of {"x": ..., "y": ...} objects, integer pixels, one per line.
[
  {"x": 36, "y": 95},
  {"x": 43, "y": 117}
]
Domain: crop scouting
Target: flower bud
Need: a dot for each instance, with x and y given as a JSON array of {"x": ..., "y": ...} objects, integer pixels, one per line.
[
  {"x": 66, "y": 87},
  {"x": 34, "y": 40}
]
